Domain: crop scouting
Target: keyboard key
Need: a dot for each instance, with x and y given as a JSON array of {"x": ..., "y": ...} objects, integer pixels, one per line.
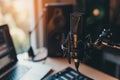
[
  {"x": 64, "y": 78},
  {"x": 74, "y": 73},
  {"x": 80, "y": 77},
  {"x": 70, "y": 76}
]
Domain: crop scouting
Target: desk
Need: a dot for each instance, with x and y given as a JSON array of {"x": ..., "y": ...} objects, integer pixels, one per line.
[{"x": 61, "y": 63}]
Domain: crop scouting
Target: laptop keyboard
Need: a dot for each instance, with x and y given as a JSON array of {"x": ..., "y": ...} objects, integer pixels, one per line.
[
  {"x": 67, "y": 74},
  {"x": 16, "y": 73}
]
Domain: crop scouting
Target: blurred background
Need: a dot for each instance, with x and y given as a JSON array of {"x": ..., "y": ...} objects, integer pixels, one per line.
[
  {"x": 49, "y": 22},
  {"x": 19, "y": 18},
  {"x": 23, "y": 15}
]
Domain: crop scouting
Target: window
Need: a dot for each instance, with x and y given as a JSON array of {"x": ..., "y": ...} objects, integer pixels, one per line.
[{"x": 19, "y": 15}]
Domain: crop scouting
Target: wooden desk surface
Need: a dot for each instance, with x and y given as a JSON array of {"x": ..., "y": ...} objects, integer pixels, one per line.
[{"x": 61, "y": 63}]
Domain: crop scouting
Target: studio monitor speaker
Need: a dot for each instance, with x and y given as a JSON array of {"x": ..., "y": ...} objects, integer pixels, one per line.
[
  {"x": 57, "y": 26},
  {"x": 96, "y": 15}
]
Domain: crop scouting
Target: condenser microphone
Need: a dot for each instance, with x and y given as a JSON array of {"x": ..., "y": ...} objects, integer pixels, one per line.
[
  {"x": 72, "y": 46},
  {"x": 74, "y": 24},
  {"x": 74, "y": 21}
]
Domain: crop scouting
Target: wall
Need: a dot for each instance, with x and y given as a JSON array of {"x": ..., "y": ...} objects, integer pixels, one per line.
[{"x": 53, "y": 1}]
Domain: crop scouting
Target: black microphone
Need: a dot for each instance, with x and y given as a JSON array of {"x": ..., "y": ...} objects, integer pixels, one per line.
[
  {"x": 73, "y": 47},
  {"x": 74, "y": 31}
]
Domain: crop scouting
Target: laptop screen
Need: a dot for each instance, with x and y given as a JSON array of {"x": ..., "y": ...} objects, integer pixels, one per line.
[{"x": 7, "y": 50}]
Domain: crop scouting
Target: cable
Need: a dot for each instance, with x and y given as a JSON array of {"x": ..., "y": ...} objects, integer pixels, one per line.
[{"x": 38, "y": 60}]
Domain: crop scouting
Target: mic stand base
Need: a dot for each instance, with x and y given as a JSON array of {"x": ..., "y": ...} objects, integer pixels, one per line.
[{"x": 40, "y": 56}]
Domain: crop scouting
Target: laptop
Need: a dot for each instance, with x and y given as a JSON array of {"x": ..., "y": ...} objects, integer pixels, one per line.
[{"x": 11, "y": 68}]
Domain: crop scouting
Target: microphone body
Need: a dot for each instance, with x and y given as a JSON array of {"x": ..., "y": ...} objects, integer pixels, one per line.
[
  {"x": 75, "y": 50},
  {"x": 73, "y": 46}
]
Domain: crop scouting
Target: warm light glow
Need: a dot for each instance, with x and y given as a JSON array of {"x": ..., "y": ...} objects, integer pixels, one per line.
[
  {"x": 18, "y": 5},
  {"x": 16, "y": 32},
  {"x": 16, "y": 14},
  {"x": 21, "y": 14},
  {"x": 96, "y": 12}
]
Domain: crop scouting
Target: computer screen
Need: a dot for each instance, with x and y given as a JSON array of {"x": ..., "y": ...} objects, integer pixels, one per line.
[
  {"x": 3, "y": 43},
  {"x": 4, "y": 48}
]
